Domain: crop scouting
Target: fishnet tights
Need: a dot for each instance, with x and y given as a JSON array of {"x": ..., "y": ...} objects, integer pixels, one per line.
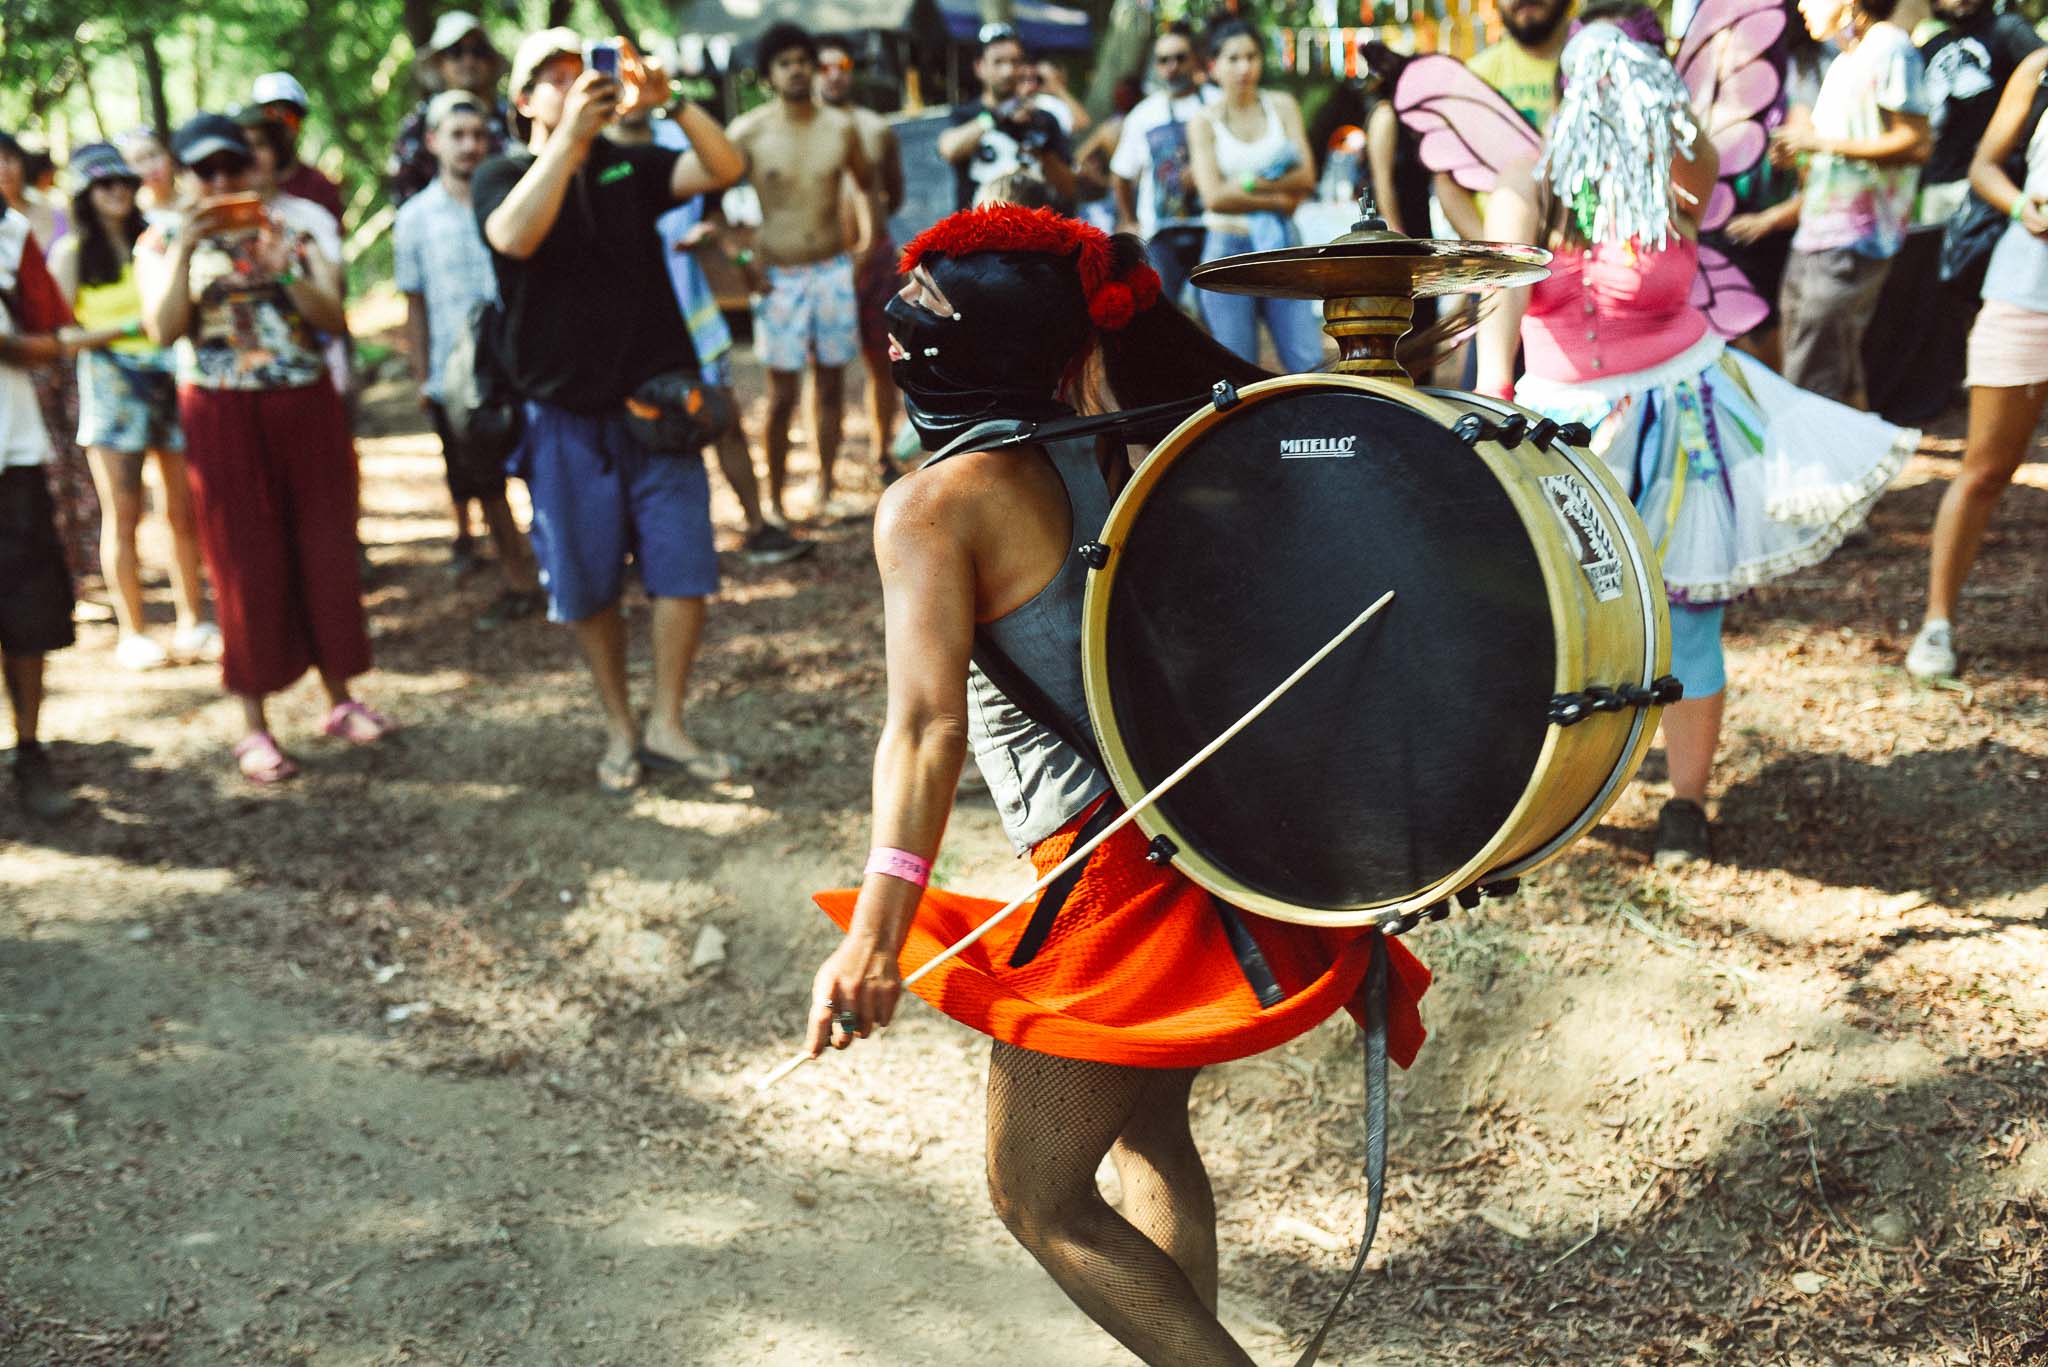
[{"x": 1148, "y": 1275}]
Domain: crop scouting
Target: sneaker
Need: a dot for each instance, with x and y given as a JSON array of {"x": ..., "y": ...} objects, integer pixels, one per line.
[
  {"x": 138, "y": 652},
  {"x": 1683, "y": 836},
  {"x": 36, "y": 787},
  {"x": 201, "y": 642},
  {"x": 1933, "y": 653},
  {"x": 774, "y": 546},
  {"x": 513, "y": 605}
]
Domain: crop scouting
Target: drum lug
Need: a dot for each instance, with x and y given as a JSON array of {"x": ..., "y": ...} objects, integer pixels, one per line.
[
  {"x": 1161, "y": 851},
  {"x": 1468, "y": 898},
  {"x": 1543, "y": 433},
  {"x": 1473, "y": 429},
  {"x": 1569, "y": 709},
  {"x": 1224, "y": 395},
  {"x": 1094, "y": 554},
  {"x": 1575, "y": 434},
  {"x": 1506, "y": 887}
]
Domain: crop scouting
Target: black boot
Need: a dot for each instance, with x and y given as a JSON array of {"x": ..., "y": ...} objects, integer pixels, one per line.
[{"x": 36, "y": 787}]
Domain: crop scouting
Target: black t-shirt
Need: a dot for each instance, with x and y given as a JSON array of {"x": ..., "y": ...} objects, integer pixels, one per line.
[
  {"x": 1012, "y": 145},
  {"x": 1967, "y": 68},
  {"x": 592, "y": 314}
]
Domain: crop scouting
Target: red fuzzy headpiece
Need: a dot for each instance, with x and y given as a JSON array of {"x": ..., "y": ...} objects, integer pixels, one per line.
[{"x": 1112, "y": 300}]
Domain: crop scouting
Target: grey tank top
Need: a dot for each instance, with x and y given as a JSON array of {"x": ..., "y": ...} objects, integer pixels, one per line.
[{"x": 1038, "y": 781}]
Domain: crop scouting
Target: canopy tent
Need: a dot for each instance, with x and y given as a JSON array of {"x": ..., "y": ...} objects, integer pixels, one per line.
[{"x": 1042, "y": 27}]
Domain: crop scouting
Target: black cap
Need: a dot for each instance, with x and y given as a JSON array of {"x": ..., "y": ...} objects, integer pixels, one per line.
[
  {"x": 203, "y": 135},
  {"x": 11, "y": 145}
]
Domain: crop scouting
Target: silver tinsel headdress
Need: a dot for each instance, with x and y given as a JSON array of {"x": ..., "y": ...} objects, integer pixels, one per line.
[{"x": 1624, "y": 114}]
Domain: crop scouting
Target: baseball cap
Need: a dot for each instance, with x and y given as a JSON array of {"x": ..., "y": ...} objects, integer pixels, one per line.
[
  {"x": 100, "y": 161},
  {"x": 203, "y": 135},
  {"x": 451, "y": 28},
  {"x": 454, "y": 102},
  {"x": 537, "y": 49},
  {"x": 278, "y": 87}
]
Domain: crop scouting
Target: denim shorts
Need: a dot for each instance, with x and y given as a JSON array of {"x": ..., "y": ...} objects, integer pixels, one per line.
[
  {"x": 1696, "y": 648},
  {"x": 601, "y": 497}
]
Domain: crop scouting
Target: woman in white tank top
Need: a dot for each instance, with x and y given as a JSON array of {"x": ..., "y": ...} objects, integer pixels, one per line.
[
  {"x": 1251, "y": 162},
  {"x": 2008, "y": 358}
]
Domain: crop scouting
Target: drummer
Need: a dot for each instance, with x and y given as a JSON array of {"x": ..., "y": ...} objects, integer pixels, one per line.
[{"x": 1134, "y": 984}]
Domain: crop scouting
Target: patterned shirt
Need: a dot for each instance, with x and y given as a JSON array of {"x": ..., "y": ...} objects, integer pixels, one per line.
[
  {"x": 246, "y": 332},
  {"x": 1854, "y": 204},
  {"x": 441, "y": 254}
]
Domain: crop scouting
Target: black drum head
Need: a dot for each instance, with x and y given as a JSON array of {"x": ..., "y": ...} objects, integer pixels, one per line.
[{"x": 1396, "y": 760}]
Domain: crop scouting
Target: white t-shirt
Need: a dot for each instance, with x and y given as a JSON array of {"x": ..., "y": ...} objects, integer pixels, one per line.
[
  {"x": 24, "y": 440},
  {"x": 1136, "y": 147}
]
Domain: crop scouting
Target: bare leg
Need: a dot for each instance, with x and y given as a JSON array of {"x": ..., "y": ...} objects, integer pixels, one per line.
[
  {"x": 881, "y": 406},
  {"x": 253, "y": 718},
  {"x": 678, "y": 630},
  {"x": 187, "y": 588},
  {"x": 1692, "y": 730},
  {"x": 736, "y": 460},
  {"x": 828, "y": 398},
  {"x": 602, "y": 635},
  {"x": 515, "y": 557},
  {"x": 2001, "y": 428},
  {"x": 1050, "y": 1120},
  {"x": 783, "y": 388},
  {"x": 25, "y": 694},
  {"x": 118, "y": 477}
]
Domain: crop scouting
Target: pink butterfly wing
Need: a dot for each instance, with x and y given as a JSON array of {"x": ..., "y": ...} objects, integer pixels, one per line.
[
  {"x": 1726, "y": 62},
  {"x": 1466, "y": 128},
  {"x": 1724, "y": 294}
]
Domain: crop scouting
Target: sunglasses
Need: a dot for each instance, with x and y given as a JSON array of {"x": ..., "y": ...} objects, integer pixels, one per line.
[
  {"x": 1171, "y": 59},
  {"x": 835, "y": 64},
  {"x": 213, "y": 168},
  {"x": 996, "y": 33},
  {"x": 479, "y": 51}
]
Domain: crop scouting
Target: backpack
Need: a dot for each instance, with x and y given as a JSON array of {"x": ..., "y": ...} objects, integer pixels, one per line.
[{"x": 483, "y": 405}]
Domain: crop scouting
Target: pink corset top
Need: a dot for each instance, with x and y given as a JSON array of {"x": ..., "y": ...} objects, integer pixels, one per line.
[{"x": 1610, "y": 310}]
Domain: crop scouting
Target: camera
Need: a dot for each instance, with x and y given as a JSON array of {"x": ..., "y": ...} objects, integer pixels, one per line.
[{"x": 603, "y": 58}]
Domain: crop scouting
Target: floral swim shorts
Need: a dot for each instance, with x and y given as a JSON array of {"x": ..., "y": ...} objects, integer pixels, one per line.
[
  {"x": 128, "y": 402},
  {"x": 809, "y": 313}
]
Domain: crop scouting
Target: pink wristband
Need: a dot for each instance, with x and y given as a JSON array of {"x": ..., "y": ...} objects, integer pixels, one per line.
[{"x": 900, "y": 864}]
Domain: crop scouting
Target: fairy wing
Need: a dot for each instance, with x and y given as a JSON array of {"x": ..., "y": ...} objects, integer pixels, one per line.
[
  {"x": 1467, "y": 129},
  {"x": 1727, "y": 61},
  {"x": 1724, "y": 294}
]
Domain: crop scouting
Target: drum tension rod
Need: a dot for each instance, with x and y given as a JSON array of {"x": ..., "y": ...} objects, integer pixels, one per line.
[
  {"x": 1466, "y": 898},
  {"x": 1569, "y": 709},
  {"x": 1161, "y": 851},
  {"x": 1094, "y": 554},
  {"x": 1224, "y": 395}
]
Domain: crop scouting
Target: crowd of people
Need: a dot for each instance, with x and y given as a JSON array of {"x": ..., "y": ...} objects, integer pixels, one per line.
[{"x": 181, "y": 313}]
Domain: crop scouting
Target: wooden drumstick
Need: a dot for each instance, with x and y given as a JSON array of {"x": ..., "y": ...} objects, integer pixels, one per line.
[{"x": 1164, "y": 786}]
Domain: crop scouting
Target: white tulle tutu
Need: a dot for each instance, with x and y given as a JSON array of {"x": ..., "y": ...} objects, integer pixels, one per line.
[{"x": 1740, "y": 476}]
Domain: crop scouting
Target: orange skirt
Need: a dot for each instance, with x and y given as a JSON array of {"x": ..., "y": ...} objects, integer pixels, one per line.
[{"x": 1137, "y": 970}]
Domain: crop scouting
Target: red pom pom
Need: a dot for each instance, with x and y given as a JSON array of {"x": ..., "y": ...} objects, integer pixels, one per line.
[
  {"x": 1112, "y": 307},
  {"x": 1144, "y": 283}
]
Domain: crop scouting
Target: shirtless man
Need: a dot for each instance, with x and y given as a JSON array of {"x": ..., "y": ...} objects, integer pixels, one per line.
[
  {"x": 875, "y": 279},
  {"x": 803, "y": 159}
]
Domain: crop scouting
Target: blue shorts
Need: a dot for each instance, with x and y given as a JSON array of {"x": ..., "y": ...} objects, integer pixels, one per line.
[
  {"x": 128, "y": 402},
  {"x": 600, "y": 496},
  {"x": 1696, "y": 648}
]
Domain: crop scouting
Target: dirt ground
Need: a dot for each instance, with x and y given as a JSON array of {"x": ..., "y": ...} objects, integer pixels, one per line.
[{"x": 408, "y": 1061}]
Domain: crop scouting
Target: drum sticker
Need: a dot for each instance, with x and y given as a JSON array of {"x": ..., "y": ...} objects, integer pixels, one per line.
[
  {"x": 1318, "y": 448},
  {"x": 1573, "y": 503}
]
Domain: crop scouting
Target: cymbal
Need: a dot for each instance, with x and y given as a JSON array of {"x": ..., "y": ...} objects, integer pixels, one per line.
[{"x": 1367, "y": 264}]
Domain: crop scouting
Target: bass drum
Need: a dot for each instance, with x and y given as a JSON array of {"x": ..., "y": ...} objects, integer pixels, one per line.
[{"x": 1422, "y": 757}]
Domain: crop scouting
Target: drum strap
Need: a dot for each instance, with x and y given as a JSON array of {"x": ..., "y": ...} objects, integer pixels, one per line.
[
  {"x": 1149, "y": 423},
  {"x": 1375, "y": 1038}
]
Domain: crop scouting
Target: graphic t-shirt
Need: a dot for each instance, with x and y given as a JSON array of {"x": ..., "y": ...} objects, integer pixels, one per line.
[
  {"x": 1014, "y": 144},
  {"x": 1859, "y": 204},
  {"x": 1152, "y": 151},
  {"x": 591, "y": 315},
  {"x": 1529, "y": 83},
  {"x": 1967, "y": 68},
  {"x": 246, "y": 332}
]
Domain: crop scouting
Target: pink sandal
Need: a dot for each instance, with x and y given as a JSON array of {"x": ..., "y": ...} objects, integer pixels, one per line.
[
  {"x": 357, "y": 724},
  {"x": 260, "y": 761}
]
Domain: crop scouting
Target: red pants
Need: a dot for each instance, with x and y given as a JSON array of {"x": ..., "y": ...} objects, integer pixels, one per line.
[{"x": 274, "y": 492}]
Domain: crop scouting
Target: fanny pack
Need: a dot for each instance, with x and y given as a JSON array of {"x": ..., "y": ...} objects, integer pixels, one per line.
[{"x": 676, "y": 413}]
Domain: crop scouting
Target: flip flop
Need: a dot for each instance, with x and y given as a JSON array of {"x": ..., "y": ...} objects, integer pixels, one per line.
[
  {"x": 706, "y": 766},
  {"x": 344, "y": 720},
  {"x": 619, "y": 778},
  {"x": 260, "y": 761}
]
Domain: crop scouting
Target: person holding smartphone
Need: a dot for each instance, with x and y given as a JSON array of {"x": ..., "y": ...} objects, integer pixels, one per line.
[{"x": 591, "y": 318}]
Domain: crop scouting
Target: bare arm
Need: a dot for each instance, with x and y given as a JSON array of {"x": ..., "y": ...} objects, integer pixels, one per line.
[
  {"x": 519, "y": 224},
  {"x": 959, "y": 142},
  {"x": 165, "y": 283},
  {"x": 64, "y": 267},
  {"x": 316, "y": 290},
  {"x": 1694, "y": 178},
  {"x": 1126, "y": 204},
  {"x": 1382, "y": 140},
  {"x": 1216, "y": 194},
  {"x": 713, "y": 162},
  {"x": 1058, "y": 176},
  {"x": 1300, "y": 179},
  {"x": 2002, "y": 135},
  {"x": 1510, "y": 217},
  {"x": 928, "y": 611},
  {"x": 1906, "y": 141},
  {"x": 416, "y": 336},
  {"x": 1461, "y": 207},
  {"x": 891, "y": 168}
]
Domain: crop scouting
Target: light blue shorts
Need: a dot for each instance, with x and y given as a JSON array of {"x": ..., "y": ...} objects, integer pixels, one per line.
[
  {"x": 1696, "y": 648},
  {"x": 128, "y": 402},
  {"x": 599, "y": 496},
  {"x": 809, "y": 313}
]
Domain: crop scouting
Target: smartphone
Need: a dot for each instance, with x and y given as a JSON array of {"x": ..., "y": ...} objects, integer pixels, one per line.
[
  {"x": 603, "y": 58},
  {"x": 237, "y": 211}
]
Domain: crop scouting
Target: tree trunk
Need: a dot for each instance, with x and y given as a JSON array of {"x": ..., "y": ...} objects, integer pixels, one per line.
[
  {"x": 558, "y": 12},
  {"x": 153, "y": 85},
  {"x": 419, "y": 21},
  {"x": 92, "y": 103},
  {"x": 615, "y": 15},
  {"x": 1120, "y": 51}
]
